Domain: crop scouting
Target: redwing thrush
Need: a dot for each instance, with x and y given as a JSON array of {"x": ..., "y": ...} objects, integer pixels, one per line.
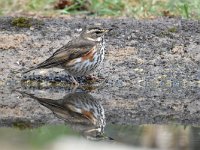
[{"x": 80, "y": 56}]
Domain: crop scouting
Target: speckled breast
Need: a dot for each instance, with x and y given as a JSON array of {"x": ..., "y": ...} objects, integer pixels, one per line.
[{"x": 82, "y": 67}]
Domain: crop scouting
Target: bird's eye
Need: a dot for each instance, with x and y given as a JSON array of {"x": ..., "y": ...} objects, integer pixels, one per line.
[{"x": 98, "y": 32}]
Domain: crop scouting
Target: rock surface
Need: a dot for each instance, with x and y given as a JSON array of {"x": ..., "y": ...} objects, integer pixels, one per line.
[{"x": 151, "y": 69}]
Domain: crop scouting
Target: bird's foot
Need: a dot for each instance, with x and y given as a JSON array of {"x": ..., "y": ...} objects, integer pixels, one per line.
[
  {"x": 93, "y": 78},
  {"x": 74, "y": 83}
]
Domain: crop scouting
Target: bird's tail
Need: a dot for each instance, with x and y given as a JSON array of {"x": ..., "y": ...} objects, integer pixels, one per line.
[
  {"x": 50, "y": 62},
  {"x": 40, "y": 66},
  {"x": 30, "y": 70},
  {"x": 44, "y": 101}
]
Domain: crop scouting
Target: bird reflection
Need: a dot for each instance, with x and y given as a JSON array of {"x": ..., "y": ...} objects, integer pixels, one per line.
[{"x": 80, "y": 110}]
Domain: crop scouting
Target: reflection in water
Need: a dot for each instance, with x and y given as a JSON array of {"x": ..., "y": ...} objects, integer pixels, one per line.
[
  {"x": 83, "y": 113},
  {"x": 162, "y": 137},
  {"x": 80, "y": 110}
]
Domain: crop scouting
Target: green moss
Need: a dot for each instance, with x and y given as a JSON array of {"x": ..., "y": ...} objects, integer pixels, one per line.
[
  {"x": 164, "y": 33},
  {"x": 89, "y": 87},
  {"x": 21, "y": 125},
  {"x": 168, "y": 32},
  {"x": 173, "y": 29},
  {"x": 21, "y": 22}
]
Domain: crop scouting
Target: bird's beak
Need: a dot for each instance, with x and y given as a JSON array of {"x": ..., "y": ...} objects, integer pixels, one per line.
[{"x": 107, "y": 30}]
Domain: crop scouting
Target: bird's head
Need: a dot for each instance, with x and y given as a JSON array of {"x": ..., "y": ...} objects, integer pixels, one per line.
[{"x": 95, "y": 33}]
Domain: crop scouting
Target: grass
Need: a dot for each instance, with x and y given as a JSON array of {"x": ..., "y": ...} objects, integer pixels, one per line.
[
  {"x": 130, "y": 8},
  {"x": 171, "y": 8},
  {"x": 97, "y": 7}
]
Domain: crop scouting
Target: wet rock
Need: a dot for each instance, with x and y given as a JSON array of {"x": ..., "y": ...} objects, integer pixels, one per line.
[{"x": 151, "y": 70}]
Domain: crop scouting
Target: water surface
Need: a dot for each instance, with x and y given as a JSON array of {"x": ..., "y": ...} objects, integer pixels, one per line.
[{"x": 36, "y": 117}]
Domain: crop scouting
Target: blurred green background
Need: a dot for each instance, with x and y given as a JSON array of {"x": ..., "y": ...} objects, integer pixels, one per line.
[
  {"x": 126, "y": 8},
  {"x": 33, "y": 138},
  {"x": 176, "y": 137}
]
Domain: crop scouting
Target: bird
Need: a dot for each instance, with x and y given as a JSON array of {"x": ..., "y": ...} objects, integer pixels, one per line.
[
  {"x": 80, "y": 110},
  {"x": 80, "y": 56}
]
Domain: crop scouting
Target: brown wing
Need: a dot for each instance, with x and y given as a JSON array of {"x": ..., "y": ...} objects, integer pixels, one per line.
[{"x": 66, "y": 53}]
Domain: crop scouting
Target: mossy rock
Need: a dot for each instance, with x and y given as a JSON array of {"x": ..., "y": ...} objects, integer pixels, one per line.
[
  {"x": 24, "y": 22},
  {"x": 173, "y": 29},
  {"x": 22, "y": 124}
]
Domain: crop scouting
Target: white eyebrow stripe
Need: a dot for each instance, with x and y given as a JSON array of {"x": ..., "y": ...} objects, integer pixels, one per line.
[
  {"x": 93, "y": 30},
  {"x": 89, "y": 31},
  {"x": 98, "y": 39}
]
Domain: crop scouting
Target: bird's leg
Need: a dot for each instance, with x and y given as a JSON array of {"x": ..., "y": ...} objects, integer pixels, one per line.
[
  {"x": 94, "y": 78},
  {"x": 74, "y": 81}
]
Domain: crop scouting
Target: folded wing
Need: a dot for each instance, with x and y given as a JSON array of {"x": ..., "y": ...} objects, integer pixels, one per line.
[{"x": 66, "y": 54}]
